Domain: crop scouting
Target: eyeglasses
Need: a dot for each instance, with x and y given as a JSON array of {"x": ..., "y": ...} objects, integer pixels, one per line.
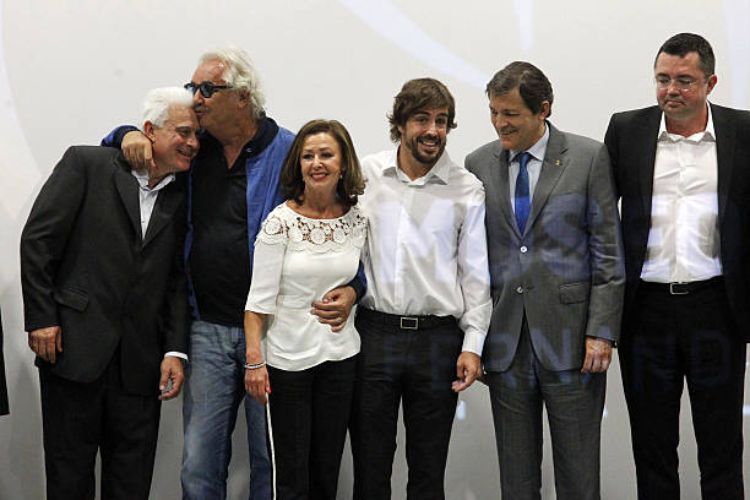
[
  {"x": 207, "y": 88},
  {"x": 681, "y": 82}
]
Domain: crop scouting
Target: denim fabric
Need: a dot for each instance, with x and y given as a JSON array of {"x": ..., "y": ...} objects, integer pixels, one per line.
[{"x": 213, "y": 391}]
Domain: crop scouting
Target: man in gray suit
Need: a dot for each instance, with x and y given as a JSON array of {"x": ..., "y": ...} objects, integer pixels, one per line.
[{"x": 557, "y": 286}]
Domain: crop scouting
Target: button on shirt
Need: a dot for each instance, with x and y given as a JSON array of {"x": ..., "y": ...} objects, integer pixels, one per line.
[
  {"x": 147, "y": 200},
  {"x": 534, "y": 166},
  {"x": 426, "y": 246},
  {"x": 683, "y": 242}
]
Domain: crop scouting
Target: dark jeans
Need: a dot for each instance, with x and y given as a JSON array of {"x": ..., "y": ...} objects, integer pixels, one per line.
[
  {"x": 672, "y": 338},
  {"x": 416, "y": 366},
  {"x": 309, "y": 415},
  {"x": 80, "y": 419}
]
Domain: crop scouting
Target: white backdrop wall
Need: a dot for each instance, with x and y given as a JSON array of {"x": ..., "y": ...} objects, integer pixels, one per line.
[{"x": 70, "y": 71}]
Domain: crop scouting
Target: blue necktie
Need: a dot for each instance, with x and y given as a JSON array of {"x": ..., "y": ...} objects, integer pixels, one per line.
[{"x": 523, "y": 200}]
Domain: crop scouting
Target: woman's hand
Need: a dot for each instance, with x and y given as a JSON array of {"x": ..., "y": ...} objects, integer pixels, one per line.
[
  {"x": 257, "y": 384},
  {"x": 256, "y": 373}
]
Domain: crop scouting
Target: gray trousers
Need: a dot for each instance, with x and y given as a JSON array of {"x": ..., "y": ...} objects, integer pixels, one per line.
[{"x": 574, "y": 403}]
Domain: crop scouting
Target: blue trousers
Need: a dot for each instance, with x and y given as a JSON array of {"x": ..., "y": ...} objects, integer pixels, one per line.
[{"x": 214, "y": 389}]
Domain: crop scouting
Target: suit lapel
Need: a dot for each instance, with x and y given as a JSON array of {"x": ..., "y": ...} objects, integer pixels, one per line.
[
  {"x": 646, "y": 142},
  {"x": 724, "y": 156},
  {"x": 552, "y": 168},
  {"x": 164, "y": 210},
  {"x": 127, "y": 187},
  {"x": 501, "y": 181}
]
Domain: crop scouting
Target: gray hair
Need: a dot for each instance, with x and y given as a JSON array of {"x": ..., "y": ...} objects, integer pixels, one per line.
[
  {"x": 240, "y": 74},
  {"x": 158, "y": 102}
]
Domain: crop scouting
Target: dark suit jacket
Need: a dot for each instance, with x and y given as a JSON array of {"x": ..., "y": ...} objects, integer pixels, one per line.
[
  {"x": 631, "y": 139},
  {"x": 565, "y": 272},
  {"x": 86, "y": 268},
  {"x": 4, "y": 407}
]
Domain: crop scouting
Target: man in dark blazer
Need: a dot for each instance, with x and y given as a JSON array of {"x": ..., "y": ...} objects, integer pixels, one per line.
[
  {"x": 681, "y": 171},
  {"x": 557, "y": 283},
  {"x": 105, "y": 303},
  {"x": 4, "y": 406}
]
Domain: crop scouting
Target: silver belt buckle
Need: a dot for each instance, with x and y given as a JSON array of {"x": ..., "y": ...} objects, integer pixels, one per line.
[
  {"x": 677, "y": 291},
  {"x": 407, "y": 323}
]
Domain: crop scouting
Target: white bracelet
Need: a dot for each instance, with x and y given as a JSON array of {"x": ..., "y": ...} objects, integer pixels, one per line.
[{"x": 255, "y": 366}]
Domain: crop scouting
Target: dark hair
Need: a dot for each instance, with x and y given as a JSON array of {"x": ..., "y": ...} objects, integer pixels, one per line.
[
  {"x": 532, "y": 84},
  {"x": 416, "y": 95},
  {"x": 682, "y": 44},
  {"x": 352, "y": 182}
]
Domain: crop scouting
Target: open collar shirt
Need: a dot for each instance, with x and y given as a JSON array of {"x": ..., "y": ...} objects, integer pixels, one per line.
[
  {"x": 683, "y": 242},
  {"x": 426, "y": 246}
]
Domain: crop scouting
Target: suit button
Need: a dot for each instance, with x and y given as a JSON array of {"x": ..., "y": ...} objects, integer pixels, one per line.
[
  {"x": 524, "y": 249},
  {"x": 519, "y": 289}
]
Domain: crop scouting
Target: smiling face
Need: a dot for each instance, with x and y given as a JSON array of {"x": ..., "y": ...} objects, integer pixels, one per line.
[
  {"x": 424, "y": 135},
  {"x": 320, "y": 163},
  {"x": 681, "y": 86},
  {"x": 516, "y": 125},
  {"x": 175, "y": 143}
]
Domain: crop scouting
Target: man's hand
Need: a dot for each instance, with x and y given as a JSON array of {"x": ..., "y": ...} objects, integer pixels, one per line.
[
  {"x": 468, "y": 368},
  {"x": 46, "y": 342},
  {"x": 335, "y": 307},
  {"x": 598, "y": 355},
  {"x": 257, "y": 384},
  {"x": 138, "y": 151},
  {"x": 171, "y": 369}
]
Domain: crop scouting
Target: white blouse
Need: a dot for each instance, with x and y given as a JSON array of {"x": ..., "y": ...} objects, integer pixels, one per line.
[{"x": 297, "y": 260}]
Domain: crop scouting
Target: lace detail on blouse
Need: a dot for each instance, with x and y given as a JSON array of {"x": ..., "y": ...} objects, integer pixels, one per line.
[{"x": 285, "y": 226}]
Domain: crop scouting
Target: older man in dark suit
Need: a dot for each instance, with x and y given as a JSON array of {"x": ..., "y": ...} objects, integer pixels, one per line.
[
  {"x": 681, "y": 170},
  {"x": 106, "y": 303},
  {"x": 557, "y": 283},
  {"x": 4, "y": 406}
]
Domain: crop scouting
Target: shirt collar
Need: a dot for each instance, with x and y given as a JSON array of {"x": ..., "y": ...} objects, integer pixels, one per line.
[
  {"x": 142, "y": 178},
  {"x": 537, "y": 150},
  {"x": 709, "y": 134},
  {"x": 439, "y": 171},
  {"x": 267, "y": 130}
]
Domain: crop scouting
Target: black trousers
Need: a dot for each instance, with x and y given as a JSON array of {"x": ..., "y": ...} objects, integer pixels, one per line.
[
  {"x": 80, "y": 419},
  {"x": 690, "y": 337},
  {"x": 416, "y": 367},
  {"x": 309, "y": 415}
]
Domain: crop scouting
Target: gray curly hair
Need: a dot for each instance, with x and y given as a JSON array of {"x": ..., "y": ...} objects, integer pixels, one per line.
[{"x": 240, "y": 74}]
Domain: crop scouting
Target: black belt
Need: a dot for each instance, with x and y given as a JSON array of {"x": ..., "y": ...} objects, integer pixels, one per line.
[
  {"x": 405, "y": 322},
  {"x": 681, "y": 288}
]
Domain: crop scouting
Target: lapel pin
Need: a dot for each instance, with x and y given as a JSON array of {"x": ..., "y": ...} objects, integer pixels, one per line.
[{"x": 557, "y": 163}]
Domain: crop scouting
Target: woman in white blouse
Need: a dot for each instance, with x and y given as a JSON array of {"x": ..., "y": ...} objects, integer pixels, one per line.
[{"x": 308, "y": 245}]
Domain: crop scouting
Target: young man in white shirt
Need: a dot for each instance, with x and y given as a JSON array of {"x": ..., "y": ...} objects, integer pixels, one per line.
[{"x": 427, "y": 308}]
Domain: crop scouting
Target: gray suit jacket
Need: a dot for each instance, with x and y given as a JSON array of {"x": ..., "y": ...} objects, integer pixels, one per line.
[{"x": 566, "y": 271}]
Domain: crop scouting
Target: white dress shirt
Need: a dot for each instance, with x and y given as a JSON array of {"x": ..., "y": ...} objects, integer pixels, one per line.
[
  {"x": 534, "y": 167},
  {"x": 147, "y": 200},
  {"x": 297, "y": 260},
  {"x": 683, "y": 242},
  {"x": 147, "y": 196},
  {"x": 426, "y": 246}
]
